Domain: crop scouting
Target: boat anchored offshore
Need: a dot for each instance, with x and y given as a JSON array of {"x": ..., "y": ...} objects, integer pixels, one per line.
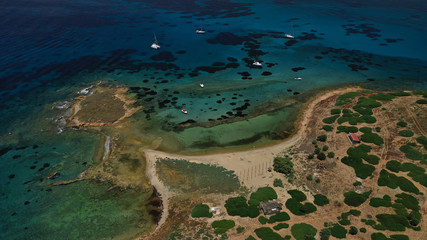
[
  {"x": 184, "y": 111},
  {"x": 155, "y": 45},
  {"x": 256, "y": 63},
  {"x": 291, "y": 36},
  {"x": 202, "y": 85},
  {"x": 298, "y": 78},
  {"x": 200, "y": 30}
]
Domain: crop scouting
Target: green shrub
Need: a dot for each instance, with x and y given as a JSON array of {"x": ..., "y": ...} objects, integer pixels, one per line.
[
  {"x": 354, "y": 212},
  {"x": 250, "y": 238},
  {"x": 297, "y": 195},
  {"x": 392, "y": 222},
  {"x": 262, "y": 220},
  {"x": 362, "y": 230},
  {"x": 330, "y": 120},
  {"x": 335, "y": 111},
  {"x": 309, "y": 177},
  {"x": 331, "y": 154},
  {"x": 261, "y": 195},
  {"x": 393, "y": 166},
  {"x": 280, "y": 226},
  {"x": 381, "y": 202},
  {"x": 221, "y": 226},
  {"x": 406, "y": 133},
  {"x": 392, "y": 181},
  {"x": 279, "y": 217},
  {"x": 357, "y": 183},
  {"x": 338, "y": 231},
  {"x": 377, "y": 129},
  {"x": 355, "y": 199},
  {"x": 400, "y": 94},
  {"x": 310, "y": 156},
  {"x": 411, "y": 153},
  {"x": 399, "y": 237},
  {"x": 283, "y": 165},
  {"x": 278, "y": 183},
  {"x": 266, "y": 233},
  {"x": 321, "y": 156},
  {"x": 414, "y": 218},
  {"x": 321, "y": 138},
  {"x": 346, "y": 98},
  {"x": 317, "y": 180},
  {"x": 402, "y": 124},
  {"x": 201, "y": 210},
  {"x": 240, "y": 229},
  {"x": 298, "y": 208},
  {"x": 372, "y": 138},
  {"x": 354, "y": 160},
  {"x": 422, "y": 140},
  {"x": 383, "y": 96},
  {"x": 320, "y": 200},
  {"x": 408, "y": 201},
  {"x": 327, "y": 128},
  {"x": 365, "y": 129},
  {"x": 301, "y": 230},
  {"x": 347, "y": 129},
  {"x": 237, "y": 206},
  {"x": 325, "y": 234},
  {"x": 372, "y": 159},
  {"x": 325, "y": 148},
  {"x": 421, "y": 101}
]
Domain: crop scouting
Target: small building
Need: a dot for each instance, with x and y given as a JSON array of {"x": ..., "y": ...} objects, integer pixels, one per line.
[
  {"x": 353, "y": 138},
  {"x": 270, "y": 207}
]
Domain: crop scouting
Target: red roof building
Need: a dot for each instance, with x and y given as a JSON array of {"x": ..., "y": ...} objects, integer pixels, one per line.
[{"x": 353, "y": 138}]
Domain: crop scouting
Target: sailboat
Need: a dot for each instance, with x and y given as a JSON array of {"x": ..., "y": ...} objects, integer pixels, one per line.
[
  {"x": 155, "y": 45},
  {"x": 200, "y": 30},
  {"x": 287, "y": 35},
  {"x": 202, "y": 85}
]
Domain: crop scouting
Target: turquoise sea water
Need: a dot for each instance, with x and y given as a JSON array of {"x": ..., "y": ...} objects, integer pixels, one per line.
[{"x": 50, "y": 50}]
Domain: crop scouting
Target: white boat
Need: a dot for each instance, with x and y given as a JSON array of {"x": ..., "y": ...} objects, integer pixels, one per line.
[
  {"x": 200, "y": 30},
  {"x": 202, "y": 85},
  {"x": 298, "y": 78},
  {"x": 155, "y": 45},
  {"x": 291, "y": 36},
  {"x": 256, "y": 63},
  {"x": 184, "y": 111}
]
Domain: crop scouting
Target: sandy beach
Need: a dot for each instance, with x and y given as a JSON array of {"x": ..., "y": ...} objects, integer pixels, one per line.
[{"x": 251, "y": 166}]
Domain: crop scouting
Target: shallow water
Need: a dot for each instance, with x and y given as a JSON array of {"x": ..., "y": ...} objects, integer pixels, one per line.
[{"x": 51, "y": 50}]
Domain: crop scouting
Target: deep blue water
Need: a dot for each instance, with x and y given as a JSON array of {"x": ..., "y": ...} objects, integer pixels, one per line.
[{"x": 51, "y": 49}]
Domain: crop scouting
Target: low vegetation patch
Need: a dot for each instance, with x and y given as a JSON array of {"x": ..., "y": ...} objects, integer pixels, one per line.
[
  {"x": 330, "y": 120},
  {"x": 321, "y": 138},
  {"x": 338, "y": 231},
  {"x": 280, "y": 226},
  {"x": 335, "y": 111},
  {"x": 279, "y": 217},
  {"x": 201, "y": 210},
  {"x": 415, "y": 172},
  {"x": 402, "y": 124},
  {"x": 406, "y": 133},
  {"x": 301, "y": 231},
  {"x": 365, "y": 129},
  {"x": 421, "y": 101},
  {"x": 381, "y": 202},
  {"x": 327, "y": 128},
  {"x": 347, "y": 129},
  {"x": 261, "y": 195},
  {"x": 277, "y": 183},
  {"x": 320, "y": 200},
  {"x": 383, "y": 97},
  {"x": 237, "y": 206},
  {"x": 422, "y": 140},
  {"x": 296, "y": 207},
  {"x": 392, "y": 181},
  {"x": 354, "y": 160},
  {"x": 221, "y": 226},
  {"x": 410, "y": 152},
  {"x": 355, "y": 199},
  {"x": 186, "y": 176},
  {"x": 266, "y": 233},
  {"x": 346, "y": 98},
  {"x": 372, "y": 138},
  {"x": 283, "y": 165}
]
